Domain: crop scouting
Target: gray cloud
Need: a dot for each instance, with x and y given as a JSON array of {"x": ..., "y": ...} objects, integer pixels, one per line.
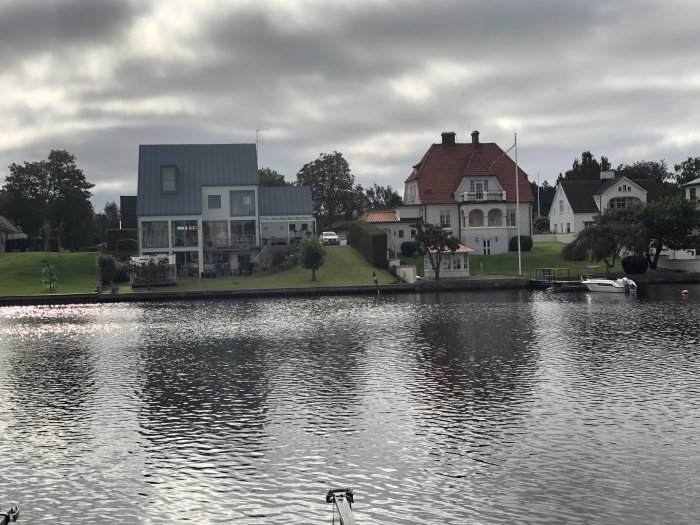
[{"x": 375, "y": 80}]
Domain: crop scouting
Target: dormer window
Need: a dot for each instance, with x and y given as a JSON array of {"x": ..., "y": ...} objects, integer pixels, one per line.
[{"x": 168, "y": 179}]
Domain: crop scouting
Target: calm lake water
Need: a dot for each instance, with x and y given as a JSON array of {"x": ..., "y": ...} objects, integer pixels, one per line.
[{"x": 481, "y": 407}]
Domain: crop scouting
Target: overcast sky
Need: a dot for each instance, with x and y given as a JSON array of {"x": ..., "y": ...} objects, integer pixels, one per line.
[{"x": 376, "y": 80}]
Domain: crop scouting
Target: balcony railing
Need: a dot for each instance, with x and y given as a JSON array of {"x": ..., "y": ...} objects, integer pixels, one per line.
[
  {"x": 483, "y": 196},
  {"x": 235, "y": 242}
]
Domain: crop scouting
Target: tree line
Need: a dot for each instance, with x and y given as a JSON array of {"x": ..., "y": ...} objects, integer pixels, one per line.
[{"x": 50, "y": 199}]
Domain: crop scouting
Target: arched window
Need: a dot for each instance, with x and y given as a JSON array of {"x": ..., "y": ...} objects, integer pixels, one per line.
[
  {"x": 495, "y": 218},
  {"x": 476, "y": 218}
]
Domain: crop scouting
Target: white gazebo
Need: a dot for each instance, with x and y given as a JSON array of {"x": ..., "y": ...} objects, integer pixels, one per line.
[{"x": 453, "y": 263}]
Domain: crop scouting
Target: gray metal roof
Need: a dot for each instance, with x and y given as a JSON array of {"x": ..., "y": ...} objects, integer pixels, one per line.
[
  {"x": 285, "y": 200},
  {"x": 197, "y": 165}
]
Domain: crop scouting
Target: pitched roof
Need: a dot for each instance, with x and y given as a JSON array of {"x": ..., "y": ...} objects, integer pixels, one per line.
[
  {"x": 580, "y": 193},
  {"x": 7, "y": 226},
  {"x": 285, "y": 200},
  {"x": 442, "y": 168},
  {"x": 379, "y": 216},
  {"x": 196, "y": 165},
  {"x": 462, "y": 248}
]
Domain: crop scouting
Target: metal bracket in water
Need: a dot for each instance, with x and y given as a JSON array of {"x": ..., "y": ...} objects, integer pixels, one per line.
[{"x": 343, "y": 500}]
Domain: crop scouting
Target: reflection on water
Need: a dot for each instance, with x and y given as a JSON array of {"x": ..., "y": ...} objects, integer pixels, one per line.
[{"x": 481, "y": 407}]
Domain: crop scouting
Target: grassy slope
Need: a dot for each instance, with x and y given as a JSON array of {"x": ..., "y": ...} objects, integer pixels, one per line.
[{"x": 20, "y": 273}]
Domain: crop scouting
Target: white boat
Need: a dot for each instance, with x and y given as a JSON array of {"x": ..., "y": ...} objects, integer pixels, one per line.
[{"x": 624, "y": 284}]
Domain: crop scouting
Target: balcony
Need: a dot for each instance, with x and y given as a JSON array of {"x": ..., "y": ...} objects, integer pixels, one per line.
[
  {"x": 236, "y": 242},
  {"x": 483, "y": 196}
]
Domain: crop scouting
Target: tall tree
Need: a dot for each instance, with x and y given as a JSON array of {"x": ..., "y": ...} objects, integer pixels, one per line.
[
  {"x": 383, "y": 197},
  {"x": 644, "y": 169},
  {"x": 432, "y": 240},
  {"x": 107, "y": 220},
  {"x": 332, "y": 185},
  {"x": 587, "y": 168},
  {"x": 687, "y": 170},
  {"x": 545, "y": 195},
  {"x": 270, "y": 177},
  {"x": 53, "y": 196}
]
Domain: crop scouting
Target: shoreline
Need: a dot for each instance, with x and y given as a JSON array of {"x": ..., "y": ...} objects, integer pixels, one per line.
[{"x": 445, "y": 285}]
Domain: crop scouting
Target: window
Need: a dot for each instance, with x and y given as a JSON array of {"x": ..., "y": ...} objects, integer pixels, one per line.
[
  {"x": 568, "y": 227},
  {"x": 510, "y": 217},
  {"x": 185, "y": 233},
  {"x": 215, "y": 233},
  {"x": 413, "y": 234},
  {"x": 476, "y": 218},
  {"x": 168, "y": 179},
  {"x": 495, "y": 218},
  {"x": 292, "y": 227},
  {"x": 214, "y": 202},
  {"x": 400, "y": 234},
  {"x": 304, "y": 227},
  {"x": 561, "y": 206},
  {"x": 242, "y": 203},
  {"x": 445, "y": 218},
  {"x": 154, "y": 234},
  {"x": 243, "y": 234},
  {"x": 693, "y": 194}
]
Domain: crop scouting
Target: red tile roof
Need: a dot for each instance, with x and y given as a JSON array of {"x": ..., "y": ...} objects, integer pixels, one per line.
[
  {"x": 379, "y": 216},
  {"x": 461, "y": 249},
  {"x": 442, "y": 168}
]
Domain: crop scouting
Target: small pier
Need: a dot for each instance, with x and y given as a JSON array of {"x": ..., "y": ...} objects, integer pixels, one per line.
[{"x": 561, "y": 279}]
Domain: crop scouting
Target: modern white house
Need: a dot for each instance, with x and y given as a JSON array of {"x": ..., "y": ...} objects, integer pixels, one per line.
[
  {"x": 577, "y": 201},
  {"x": 202, "y": 203},
  {"x": 473, "y": 190}
]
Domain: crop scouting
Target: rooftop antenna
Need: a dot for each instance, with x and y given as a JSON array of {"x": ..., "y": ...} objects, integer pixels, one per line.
[{"x": 257, "y": 142}]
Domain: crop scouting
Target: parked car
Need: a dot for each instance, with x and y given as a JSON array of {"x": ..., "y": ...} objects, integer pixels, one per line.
[{"x": 329, "y": 238}]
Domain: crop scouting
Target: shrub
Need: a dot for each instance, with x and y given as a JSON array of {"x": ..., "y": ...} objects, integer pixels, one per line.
[
  {"x": 541, "y": 224},
  {"x": 525, "y": 244},
  {"x": 108, "y": 267},
  {"x": 634, "y": 264},
  {"x": 409, "y": 248}
]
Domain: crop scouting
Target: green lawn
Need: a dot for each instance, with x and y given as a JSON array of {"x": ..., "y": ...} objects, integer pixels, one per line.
[
  {"x": 542, "y": 255},
  {"x": 20, "y": 274}
]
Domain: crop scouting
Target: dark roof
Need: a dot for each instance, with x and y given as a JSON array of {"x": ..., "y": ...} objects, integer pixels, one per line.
[
  {"x": 196, "y": 165},
  {"x": 285, "y": 200},
  {"x": 442, "y": 168},
  {"x": 7, "y": 226},
  {"x": 580, "y": 193}
]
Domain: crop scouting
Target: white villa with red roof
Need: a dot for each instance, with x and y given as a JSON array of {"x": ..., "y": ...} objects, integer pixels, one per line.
[{"x": 471, "y": 190}]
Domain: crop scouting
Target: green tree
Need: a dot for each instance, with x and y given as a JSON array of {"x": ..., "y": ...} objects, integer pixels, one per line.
[
  {"x": 687, "y": 170},
  {"x": 383, "y": 197},
  {"x": 669, "y": 223},
  {"x": 270, "y": 177},
  {"x": 432, "y": 240},
  {"x": 311, "y": 255},
  {"x": 107, "y": 266},
  {"x": 540, "y": 224},
  {"x": 333, "y": 189},
  {"x": 604, "y": 242},
  {"x": 645, "y": 169},
  {"x": 545, "y": 195},
  {"x": 107, "y": 220},
  {"x": 588, "y": 168},
  {"x": 52, "y": 191}
]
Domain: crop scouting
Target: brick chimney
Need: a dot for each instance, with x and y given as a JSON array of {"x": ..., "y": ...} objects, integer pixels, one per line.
[
  {"x": 475, "y": 138},
  {"x": 448, "y": 138}
]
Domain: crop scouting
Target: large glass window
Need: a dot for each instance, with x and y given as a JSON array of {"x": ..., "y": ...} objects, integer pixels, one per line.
[
  {"x": 242, "y": 234},
  {"x": 476, "y": 218},
  {"x": 154, "y": 234},
  {"x": 242, "y": 203},
  {"x": 495, "y": 218},
  {"x": 215, "y": 233},
  {"x": 168, "y": 179},
  {"x": 510, "y": 217},
  {"x": 184, "y": 233}
]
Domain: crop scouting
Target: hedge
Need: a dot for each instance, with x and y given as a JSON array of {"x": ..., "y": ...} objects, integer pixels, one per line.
[
  {"x": 114, "y": 236},
  {"x": 370, "y": 241}
]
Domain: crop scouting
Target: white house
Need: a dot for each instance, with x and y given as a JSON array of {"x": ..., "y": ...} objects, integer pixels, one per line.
[
  {"x": 8, "y": 231},
  {"x": 472, "y": 190},
  {"x": 202, "y": 204},
  {"x": 397, "y": 230},
  {"x": 691, "y": 190},
  {"x": 577, "y": 201}
]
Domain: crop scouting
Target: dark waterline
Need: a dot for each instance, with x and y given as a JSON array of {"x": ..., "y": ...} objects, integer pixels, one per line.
[{"x": 479, "y": 407}]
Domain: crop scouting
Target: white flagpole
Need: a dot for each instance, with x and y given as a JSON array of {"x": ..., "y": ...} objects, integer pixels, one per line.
[{"x": 517, "y": 206}]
